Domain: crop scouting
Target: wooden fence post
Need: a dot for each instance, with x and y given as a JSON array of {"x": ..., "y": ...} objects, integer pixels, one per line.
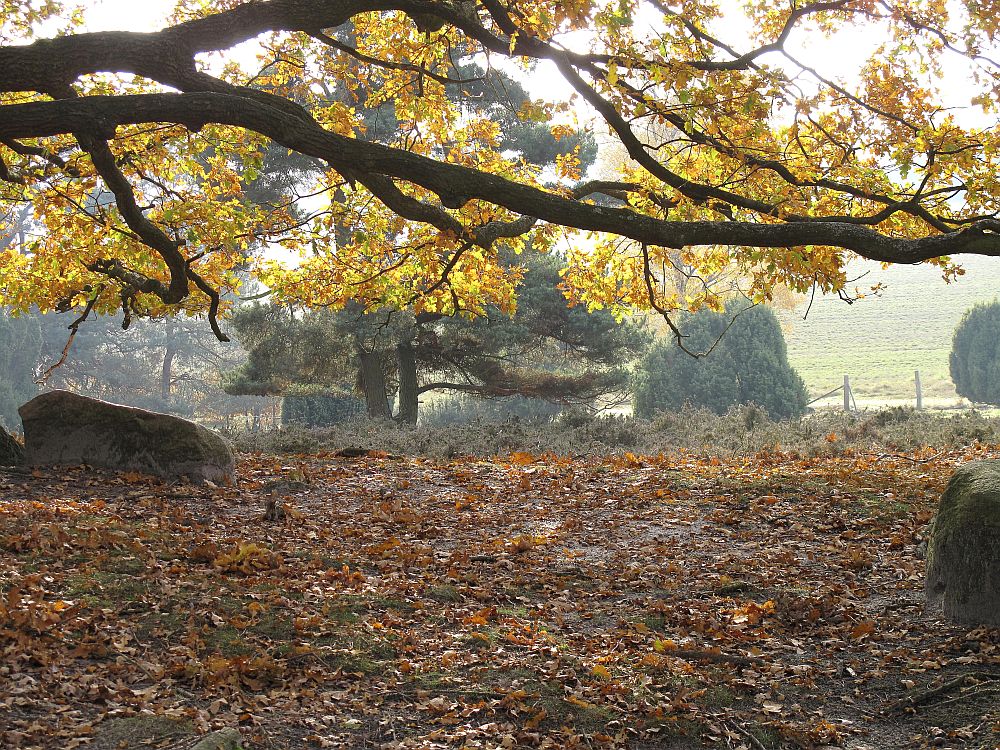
[
  {"x": 847, "y": 393},
  {"x": 920, "y": 393}
]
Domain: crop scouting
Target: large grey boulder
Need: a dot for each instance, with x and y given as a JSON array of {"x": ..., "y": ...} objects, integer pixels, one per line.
[
  {"x": 62, "y": 428},
  {"x": 11, "y": 452},
  {"x": 963, "y": 550}
]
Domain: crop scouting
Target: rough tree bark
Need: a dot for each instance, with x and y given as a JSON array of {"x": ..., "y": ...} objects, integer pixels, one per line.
[
  {"x": 166, "y": 370},
  {"x": 406, "y": 361},
  {"x": 372, "y": 383}
]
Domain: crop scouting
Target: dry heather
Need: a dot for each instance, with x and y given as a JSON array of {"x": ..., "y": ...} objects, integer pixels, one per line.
[{"x": 743, "y": 431}]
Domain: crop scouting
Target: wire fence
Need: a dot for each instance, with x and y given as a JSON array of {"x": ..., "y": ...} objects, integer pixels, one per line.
[{"x": 849, "y": 404}]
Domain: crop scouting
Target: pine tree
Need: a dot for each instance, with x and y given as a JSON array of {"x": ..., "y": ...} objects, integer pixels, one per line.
[
  {"x": 975, "y": 354},
  {"x": 545, "y": 351},
  {"x": 749, "y": 364}
]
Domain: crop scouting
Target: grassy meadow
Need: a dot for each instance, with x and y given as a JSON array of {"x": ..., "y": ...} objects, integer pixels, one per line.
[{"x": 880, "y": 340}]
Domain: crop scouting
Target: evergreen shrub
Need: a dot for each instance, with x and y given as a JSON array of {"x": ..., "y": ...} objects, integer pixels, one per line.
[
  {"x": 975, "y": 355},
  {"x": 748, "y": 365}
]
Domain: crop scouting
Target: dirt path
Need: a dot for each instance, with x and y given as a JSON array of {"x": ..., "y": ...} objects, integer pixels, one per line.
[{"x": 761, "y": 602}]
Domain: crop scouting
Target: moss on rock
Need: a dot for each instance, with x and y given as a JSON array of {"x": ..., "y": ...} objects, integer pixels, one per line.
[{"x": 963, "y": 552}]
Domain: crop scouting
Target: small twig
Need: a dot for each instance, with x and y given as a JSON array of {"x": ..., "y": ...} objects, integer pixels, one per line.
[
  {"x": 388, "y": 65},
  {"x": 901, "y": 457},
  {"x": 476, "y": 692},
  {"x": 73, "y": 328},
  {"x": 753, "y": 740},
  {"x": 988, "y": 690},
  {"x": 812, "y": 298},
  {"x": 925, "y": 696}
]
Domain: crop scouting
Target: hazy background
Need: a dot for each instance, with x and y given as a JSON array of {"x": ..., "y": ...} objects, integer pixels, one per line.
[{"x": 880, "y": 340}]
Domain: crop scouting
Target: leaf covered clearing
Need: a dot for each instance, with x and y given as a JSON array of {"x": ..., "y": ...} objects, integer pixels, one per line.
[{"x": 753, "y": 602}]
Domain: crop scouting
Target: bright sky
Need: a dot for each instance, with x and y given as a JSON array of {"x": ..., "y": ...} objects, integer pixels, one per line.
[
  {"x": 125, "y": 15},
  {"x": 839, "y": 56}
]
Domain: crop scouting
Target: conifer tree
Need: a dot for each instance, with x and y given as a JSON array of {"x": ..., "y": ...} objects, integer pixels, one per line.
[
  {"x": 975, "y": 354},
  {"x": 747, "y": 362}
]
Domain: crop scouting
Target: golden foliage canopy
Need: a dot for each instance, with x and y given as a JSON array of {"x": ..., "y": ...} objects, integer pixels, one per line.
[{"x": 133, "y": 150}]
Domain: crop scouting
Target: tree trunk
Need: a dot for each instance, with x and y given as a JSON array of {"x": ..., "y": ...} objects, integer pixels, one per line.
[
  {"x": 373, "y": 384},
  {"x": 166, "y": 374},
  {"x": 406, "y": 362}
]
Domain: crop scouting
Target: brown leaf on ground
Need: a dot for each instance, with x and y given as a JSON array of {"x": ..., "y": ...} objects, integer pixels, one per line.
[{"x": 771, "y": 601}]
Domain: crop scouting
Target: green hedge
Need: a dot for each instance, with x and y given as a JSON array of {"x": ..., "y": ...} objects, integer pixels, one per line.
[{"x": 320, "y": 411}]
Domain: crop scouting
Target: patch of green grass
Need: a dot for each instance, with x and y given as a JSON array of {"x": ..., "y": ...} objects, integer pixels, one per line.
[
  {"x": 503, "y": 678},
  {"x": 378, "y": 603},
  {"x": 229, "y": 642},
  {"x": 228, "y": 603},
  {"x": 106, "y": 588},
  {"x": 717, "y": 696},
  {"x": 671, "y": 728},
  {"x": 355, "y": 662},
  {"x": 550, "y": 696},
  {"x": 517, "y": 611},
  {"x": 477, "y": 642},
  {"x": 352, "y": 650},
  {"x": 163, "y": 623},
  {"x": 730, "y": 588},
  {"x": 432, "y": 681},
  {"x": 655, "y": 621},
  {"x": 444, "y": 593},
  {"x": 584, "y": 719},
  {"x": 349, "y": 609},
  {"x": 274, "y": 628},
  {"x": 875, "y": 341},
  {"x": 270, "y": 632},
  {"x": 269, "y": 588},
  {"x": 523, "y": 592},
  {"x": 865, "y": 504},
  {"x": 341, "y": 613},
  {"x": 169, "y": 554},
  {"x": 127, "y": 565},
  {"x": 766, "y": 736}
]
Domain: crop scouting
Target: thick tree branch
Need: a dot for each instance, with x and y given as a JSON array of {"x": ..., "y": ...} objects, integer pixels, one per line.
[
  {"x": 213, "y": 305},
  {"x": 562, "y": 389},
  {"x": 41, "y": 119},
  {"x": 168, "y": 56},
  {"x": 145, "y": 230}
]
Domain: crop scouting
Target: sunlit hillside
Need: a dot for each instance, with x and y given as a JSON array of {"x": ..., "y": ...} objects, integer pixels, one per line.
[{"x": 880, "y": 340}]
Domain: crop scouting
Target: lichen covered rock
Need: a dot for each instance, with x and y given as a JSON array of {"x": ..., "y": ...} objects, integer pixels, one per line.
[
  {"x": 963, "y": 552},
  {"x": 63, "y": 428},
  {"x": 11, "y": 452}
]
